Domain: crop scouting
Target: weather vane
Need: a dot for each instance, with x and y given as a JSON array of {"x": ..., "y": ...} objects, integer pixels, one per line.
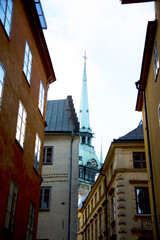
[{"x": 85, "y": 57}]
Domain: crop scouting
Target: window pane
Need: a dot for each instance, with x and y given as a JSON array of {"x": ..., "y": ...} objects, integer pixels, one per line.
[
  {"x": 27, "y": 65},
  {"x": 21, "y": 125}
]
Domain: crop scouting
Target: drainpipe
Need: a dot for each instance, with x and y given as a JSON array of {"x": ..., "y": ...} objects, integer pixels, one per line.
[
  {"x": 70, "y": 187},
  {"x": 106, "y": 203},
  {"x": 150, "y": 162}
]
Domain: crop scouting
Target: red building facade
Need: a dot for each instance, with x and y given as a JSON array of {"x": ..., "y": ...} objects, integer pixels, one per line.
[{"x": 25, "y": 74}]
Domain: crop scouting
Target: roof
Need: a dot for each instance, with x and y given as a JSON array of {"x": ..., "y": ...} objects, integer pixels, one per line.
[
  {"x": 34, "y": 19},
  {"x": 134, "y": 135},
  {"x": 61, "y": 116},
  {"x": 136, "y": 1},
  {"x": 147, "y": 54}
]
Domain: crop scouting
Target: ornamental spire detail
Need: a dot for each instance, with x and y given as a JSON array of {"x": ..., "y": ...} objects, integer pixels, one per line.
[{"x": 84, "y": 107}]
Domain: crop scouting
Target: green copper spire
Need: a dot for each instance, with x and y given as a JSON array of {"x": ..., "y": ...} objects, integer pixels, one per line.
[{"x": 84, "y": 107}]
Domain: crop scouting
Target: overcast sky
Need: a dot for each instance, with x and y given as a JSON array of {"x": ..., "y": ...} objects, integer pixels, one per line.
[{"x": 113, "y": 37}]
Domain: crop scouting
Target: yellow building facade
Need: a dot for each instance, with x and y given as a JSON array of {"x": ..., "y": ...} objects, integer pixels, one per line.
[
  {"x": 122, "y": 186},
  {"x": 148, "y": 101}
]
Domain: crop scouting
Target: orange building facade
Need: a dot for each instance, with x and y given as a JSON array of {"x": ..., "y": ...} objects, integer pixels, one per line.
[{"x": 25, "y": 74}]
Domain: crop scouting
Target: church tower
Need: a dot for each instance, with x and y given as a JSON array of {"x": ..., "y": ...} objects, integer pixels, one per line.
[{"x": 89, "y": 164}]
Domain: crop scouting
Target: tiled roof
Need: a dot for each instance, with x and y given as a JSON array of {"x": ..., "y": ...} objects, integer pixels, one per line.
[
  {"x": 61, "y": 116},
  {"x": 134, "y": 135}
]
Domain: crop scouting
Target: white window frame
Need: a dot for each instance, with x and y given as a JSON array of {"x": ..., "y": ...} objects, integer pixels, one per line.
[
  {"x": 6, "y": 8},
  {"x": 37, "y": 152},
  {"x": 2, "y": 77},
  {"x": 21, "y": 124},
  {"x": 156, "y": 60},
  {"x": 45, "y": 154},
  {"x": 11, "y": 206},
  {"x": 41, "y": 98},
  {"x": 43, "y": 207},
  {"x": 27, "y": 65}
]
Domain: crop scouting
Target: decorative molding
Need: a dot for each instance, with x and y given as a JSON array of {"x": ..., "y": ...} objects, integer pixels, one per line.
[
  {"x": 121, "y": 199},
  {"x": 121, "y": 222},
  {"x": 121, "y": 206},
  {"x": 120, "y": 192},
  {"x": 121, "y": 214}
]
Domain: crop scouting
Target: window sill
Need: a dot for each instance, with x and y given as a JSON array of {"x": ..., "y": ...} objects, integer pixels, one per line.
[{"x": 19, "y": 145}]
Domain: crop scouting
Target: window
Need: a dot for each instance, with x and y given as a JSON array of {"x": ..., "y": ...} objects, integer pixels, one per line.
[
  {"x": 101, "y": 224},
  {"x": 2, "y": 74},
  {"x": 142, "y": 200},
  {"x": 48, "y": 155},
  {"x": 45, "y": 194},
  {"x": 11, "y": 206},
  {"x": 41, "y": 98},
  {"x": 91, "y": 204},
  {"x": 100, "y": 192},
  {"x": 6, "y": 7},
  {"x": 96, "y": 229},
  {"x": 27, "y": 66},
  {"x": 37, "y": 153},
  {"x": 30, "y": 225},
  {"x": 21, "y": 124},
  {"x": 156, "y": 61},
  {"x": 92, "y": 231},
  {"x": 139, "y": 160},
  {"x": 95, "y": 198},
  {"x": 113, "y": 209}
]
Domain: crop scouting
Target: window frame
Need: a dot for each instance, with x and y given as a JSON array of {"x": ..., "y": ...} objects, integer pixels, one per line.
[
  {"x": 7, "y": 11},
  {"x": 2, "y": 83},
  {"x": 45, "y": 148},
  {"x": 27, "y": 62},
  {"x": 41, "y": 202},
  {"x": 31, "y": 218},
  {"x": 145, "y": 200},
  {"x": 37, "y": 153},
  {"x": 11, "y": 206},
  {"x": 156, "y": 60},
  {"x": 21, "y": 124},
  {"x": 41, "y": 98},
  {"x": 141, "y": 161}
]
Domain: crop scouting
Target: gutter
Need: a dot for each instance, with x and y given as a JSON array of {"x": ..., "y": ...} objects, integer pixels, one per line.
[{"x": 70, "y": 187}]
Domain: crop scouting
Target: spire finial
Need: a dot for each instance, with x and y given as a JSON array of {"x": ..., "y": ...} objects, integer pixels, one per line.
[{"x": 85, "y": 57}]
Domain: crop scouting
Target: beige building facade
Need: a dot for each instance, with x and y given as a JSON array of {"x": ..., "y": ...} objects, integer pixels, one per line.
[
  {"x": 122, "y": 186},
  {"x": 59, "y": 190}
]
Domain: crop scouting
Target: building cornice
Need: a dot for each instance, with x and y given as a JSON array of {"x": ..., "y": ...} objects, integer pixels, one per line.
[{"x": 147, "y": 54}]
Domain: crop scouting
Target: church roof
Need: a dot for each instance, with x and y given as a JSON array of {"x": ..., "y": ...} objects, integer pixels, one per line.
[
  {"x": 134, "y": 135},
  {"x": 61, "y": 116}
]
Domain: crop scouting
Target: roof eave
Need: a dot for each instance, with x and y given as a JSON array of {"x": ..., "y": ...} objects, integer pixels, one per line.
[
  {"x": 136, "y": 1},
  {"x": 44, "y": 49},
  {"x": 147, "y": 54}
]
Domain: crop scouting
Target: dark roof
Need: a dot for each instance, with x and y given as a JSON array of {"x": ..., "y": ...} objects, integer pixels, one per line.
[
  {"x": 134, "y": 135},
  {"x": 136, "y": 1},
  {"x": 61, "y": 116}
]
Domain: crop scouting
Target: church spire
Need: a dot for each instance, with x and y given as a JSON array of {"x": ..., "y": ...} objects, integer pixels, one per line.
[{"x": 84, "y": 107}]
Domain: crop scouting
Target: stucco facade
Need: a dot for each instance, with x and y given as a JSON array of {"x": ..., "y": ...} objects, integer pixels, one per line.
[
  {"x": 58, "y": 220},
  {"x": 116, "y": 187},
  {"x": 20, "y": 117}
]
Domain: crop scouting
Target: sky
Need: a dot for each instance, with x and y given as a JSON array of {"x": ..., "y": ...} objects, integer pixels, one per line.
[{"x": 113, "y": 36}]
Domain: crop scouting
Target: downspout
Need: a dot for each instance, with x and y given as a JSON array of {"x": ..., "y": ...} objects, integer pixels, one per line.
[
  {"x": 70, "y": 186},
  {"x": 150, "y": 162},
  {"x": 106, "y": 203}
]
